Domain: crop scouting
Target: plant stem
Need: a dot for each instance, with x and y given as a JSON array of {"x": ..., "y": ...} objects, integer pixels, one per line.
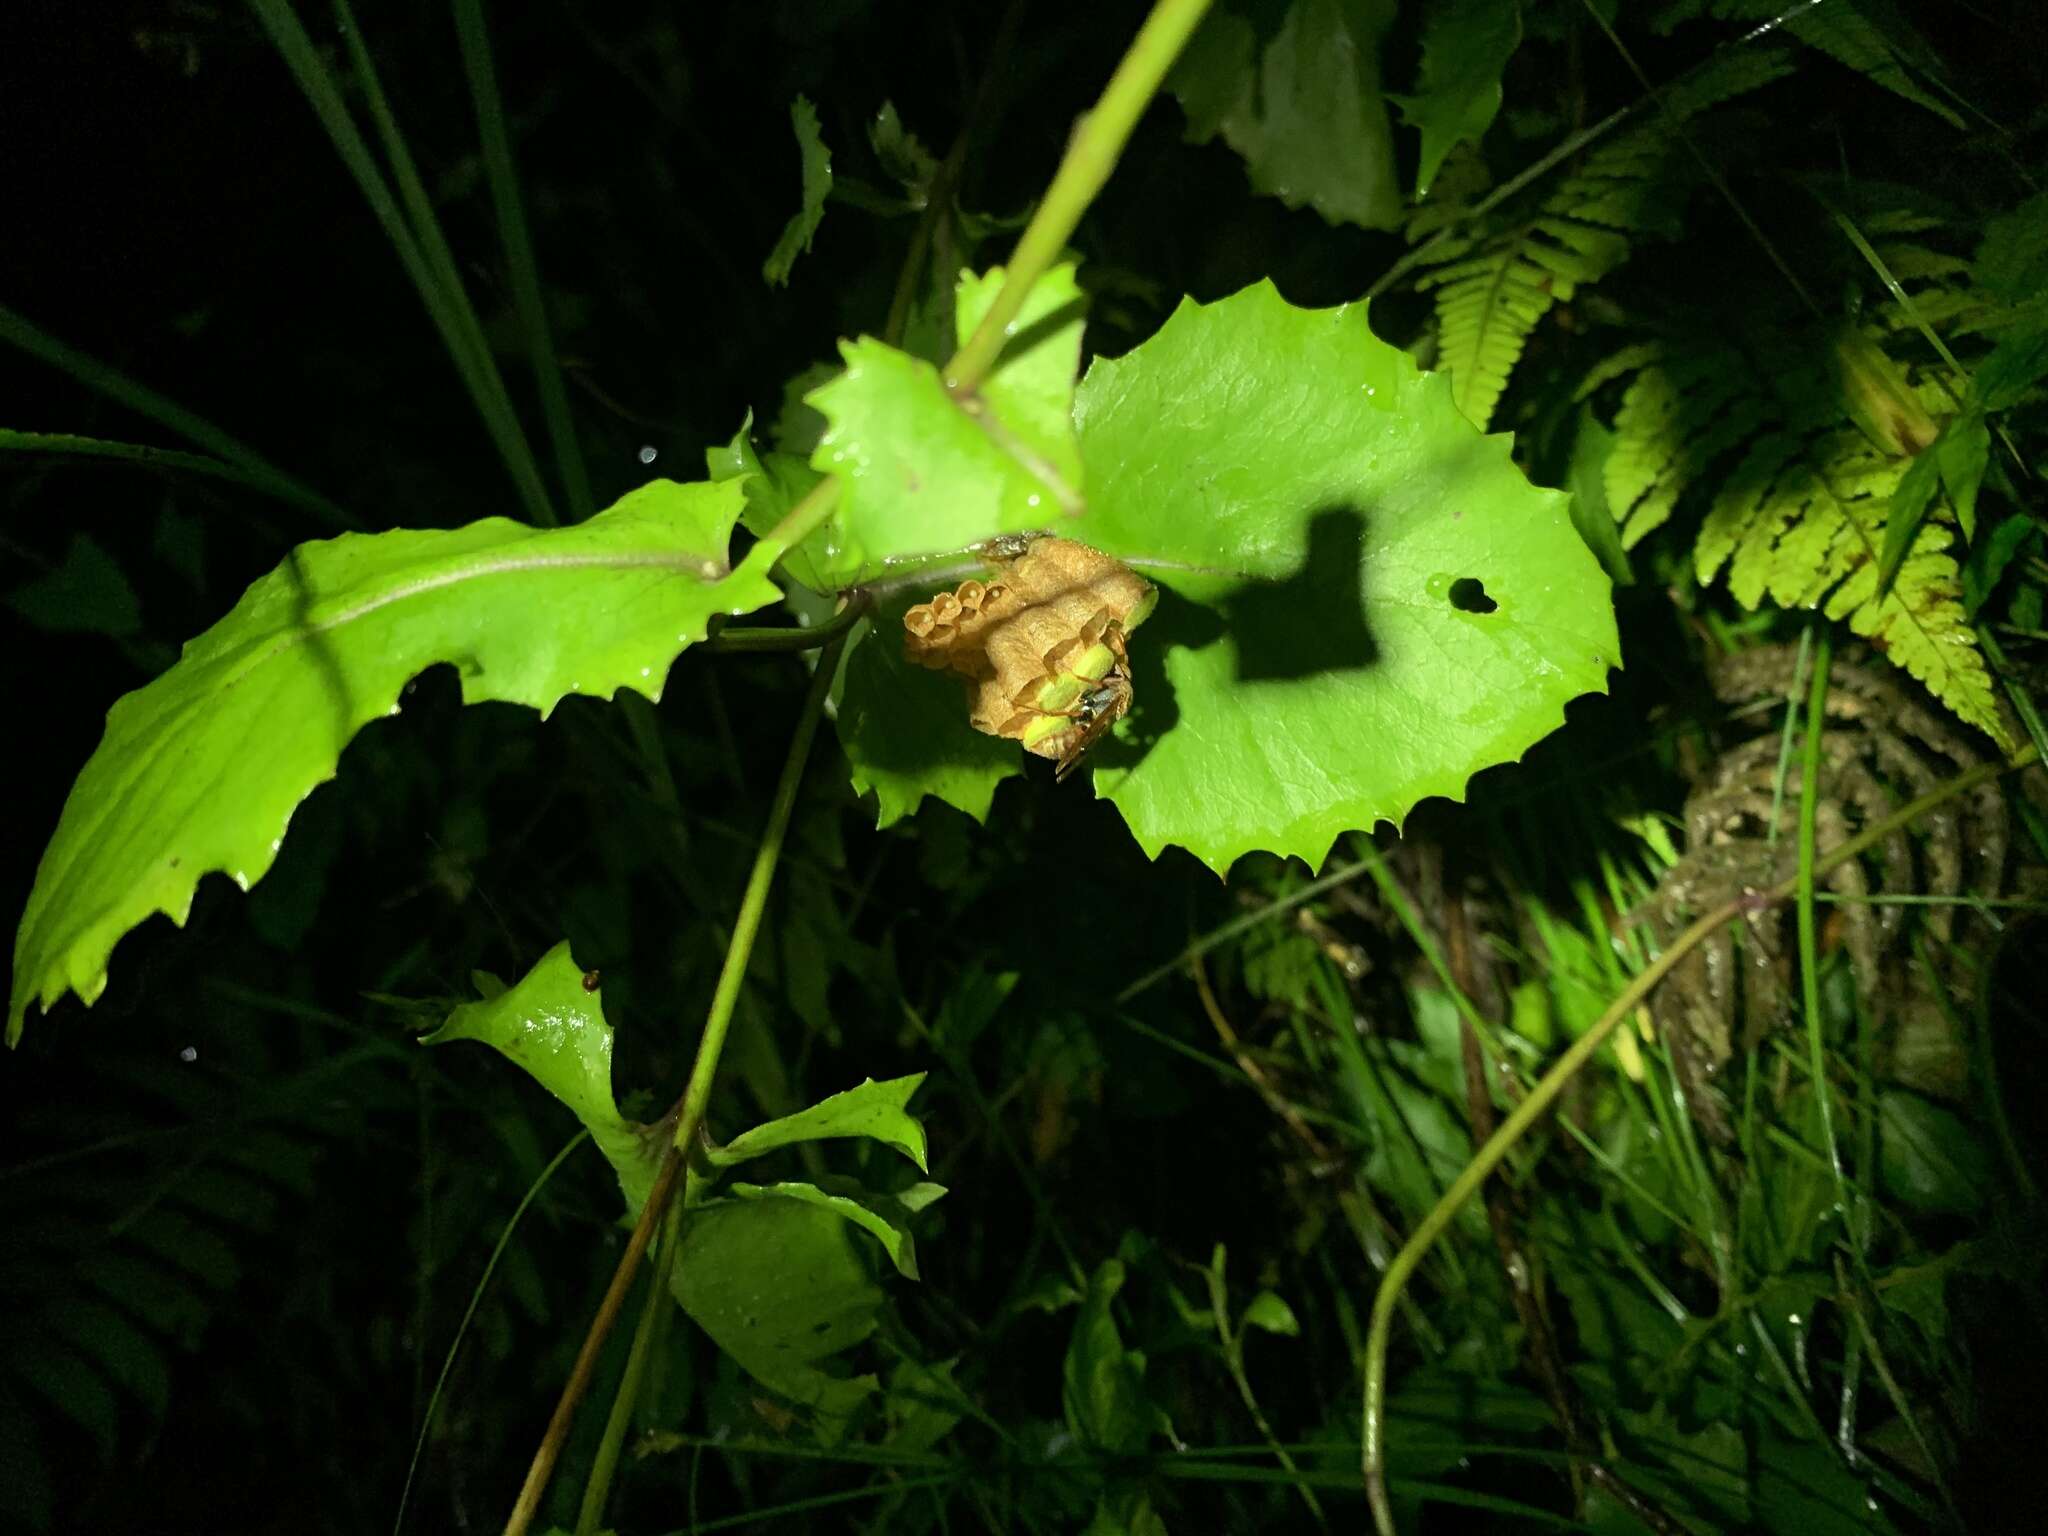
[
  {"x": 1532, "y": 1108},
  {"x": 945, "y": 183},
  {"x": 597, "y": 1489},
  {"x": 688, "y": 1114},
  {"x": 787, "y": 639},
  {"x": 1098, "y": 142},
  {"x": 1809, "y": 933}
]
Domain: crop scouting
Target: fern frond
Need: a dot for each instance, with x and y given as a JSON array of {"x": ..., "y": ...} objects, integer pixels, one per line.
[
  {"x": 114, "y": 1264},
  {"x": 1801, "y": 522},
  {"x": 1843, "y": 33},
  {"x": 1795, "y": 499},
  {"x": 1492, "y": 292}
]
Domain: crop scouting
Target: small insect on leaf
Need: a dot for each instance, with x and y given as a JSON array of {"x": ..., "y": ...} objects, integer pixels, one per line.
[
  {"x": 1041, "y": 646},
  {"x": 591, "y": 980}
]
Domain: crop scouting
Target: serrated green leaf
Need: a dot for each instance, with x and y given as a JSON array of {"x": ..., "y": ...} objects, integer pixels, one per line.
[
  {"x": 872, "y": 1110},
  {"x": 1330, "y": 533},
  {"x": 901, "y": 154},
  {"x": 200, "y": 771},
  {"x": 554, "y": 1027},
  {"x": 83, "y": 594},
  {"x": 921, "y": 470},
  {"x": 1300, "y": 101},
  {"x": 884, "y": 1216},
  {"x": 803, "y": 224},
  {"x": 1466, "y": 46},
  {"x": 779, "y": 1286},
  {"x": 902, "y": 729}
]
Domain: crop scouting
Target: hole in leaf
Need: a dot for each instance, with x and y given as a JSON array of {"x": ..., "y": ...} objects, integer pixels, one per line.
[{"x": 1468, "y": 595}]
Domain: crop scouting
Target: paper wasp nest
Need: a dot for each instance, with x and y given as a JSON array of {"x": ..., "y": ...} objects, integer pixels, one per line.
[{"x": 1040, "y": 644}]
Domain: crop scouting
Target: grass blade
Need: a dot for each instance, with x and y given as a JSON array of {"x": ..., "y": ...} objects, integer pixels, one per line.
[
  {"x": 235, "y": 460},
  {"x": 421, "y": 251},
  {"x": 519, "y": 258}
]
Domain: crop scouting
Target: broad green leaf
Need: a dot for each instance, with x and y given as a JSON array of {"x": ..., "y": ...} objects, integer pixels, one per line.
[
  {"x": 1962, "y": 452},
  {"x": 201, "y": 770},
  {"x": 83, "y": 594},
  {"x": 803, "y": 224},
  {"x": 1364, "y": 601},
  {"x": 1466, "y": 44},
  {"x": 921, "y": 471},
  {"x": 884, "y": 1215},
  {"x": 1106, "y": 1404},
  {"x": 1954, "y": 464},
  {"x": 1269, "y": 1312},
  {"x": 1300, "y": 101},
  {"x": 1801, "y": 1486},
  {"x": 553, "y": 1025},
  {"x": 904, "y": 729},
  {"x": 1930, "y": 1158},
  {"x": 1910, "y": 500},
  {"x": 779, "y": 1286},
  {"x": 873, "y": 1110}
]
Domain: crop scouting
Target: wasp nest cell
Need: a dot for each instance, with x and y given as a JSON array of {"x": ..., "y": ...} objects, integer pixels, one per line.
[{"x": 1040, "y": 645}]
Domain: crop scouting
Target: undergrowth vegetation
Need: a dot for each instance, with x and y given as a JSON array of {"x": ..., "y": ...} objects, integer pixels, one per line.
[{"x": 1503, "y": 993}]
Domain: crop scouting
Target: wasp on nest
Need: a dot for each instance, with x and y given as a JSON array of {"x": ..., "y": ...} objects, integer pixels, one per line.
[{"x": 1040, "y": 645}]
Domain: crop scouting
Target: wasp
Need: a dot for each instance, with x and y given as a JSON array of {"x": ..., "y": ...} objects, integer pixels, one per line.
[{"x": 1094, "y": 713}]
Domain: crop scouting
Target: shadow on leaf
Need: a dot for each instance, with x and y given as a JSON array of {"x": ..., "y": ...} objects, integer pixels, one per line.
[{"x": 1312, "y": 621}]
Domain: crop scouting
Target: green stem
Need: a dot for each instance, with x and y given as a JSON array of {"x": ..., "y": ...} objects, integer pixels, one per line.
[
  {"x": 606, "y": 1463},
  {"x": 754, "y": 903},
  {"x": 786, "y": 639},
  {"x": 1540, "y": 1098},
  {"x": 688, "y": 1114},
  {"x": 1092, "y": 154},
  {"x": 1098, "y": 140},
  {"x": 1809, "y": 936}
]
